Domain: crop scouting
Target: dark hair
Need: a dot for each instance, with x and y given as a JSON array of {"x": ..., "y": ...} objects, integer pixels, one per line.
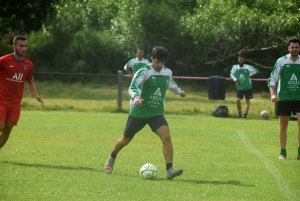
[
  {"x": 294, "y": 40},
  {"x": 18, "y": 37},
  {"x": 241, "y": 56},
  {"x": 160, "y": 53}
]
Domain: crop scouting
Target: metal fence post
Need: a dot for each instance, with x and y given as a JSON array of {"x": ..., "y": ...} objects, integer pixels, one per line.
[{"x": 120, "y": 88}]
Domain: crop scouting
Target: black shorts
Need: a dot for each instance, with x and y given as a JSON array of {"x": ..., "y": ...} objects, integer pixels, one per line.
[
  {"x": 134, "y": 125},
  {"x": 286, "y": 107},
  {"x": 248, "y": 94}
]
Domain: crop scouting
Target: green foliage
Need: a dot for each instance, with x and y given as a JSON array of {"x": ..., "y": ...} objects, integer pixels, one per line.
[
  {"x": 84, "y": 52},
  {"x": 24, "y": 16},
  {"x": 204, "y": 37}
]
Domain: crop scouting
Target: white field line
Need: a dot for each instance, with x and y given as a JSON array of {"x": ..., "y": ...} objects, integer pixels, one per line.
[{"x": 280, "y": 181}]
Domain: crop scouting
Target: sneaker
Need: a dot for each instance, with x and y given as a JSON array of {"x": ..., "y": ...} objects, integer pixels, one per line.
[
  {"x": 172, "y": 172},
  {"x": 282, "y": 156},
  {"x": 109, "y": 166},
  {"x": 298, "y": 157}
]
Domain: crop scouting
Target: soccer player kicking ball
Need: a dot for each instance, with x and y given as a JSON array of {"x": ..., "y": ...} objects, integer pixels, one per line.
[
  {"x": 15, "y": 69},
  {"x": 148, "y": 89}
]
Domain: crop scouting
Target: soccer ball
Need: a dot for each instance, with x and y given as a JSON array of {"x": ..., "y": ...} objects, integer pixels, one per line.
[
  {"x": 264, "y": 114},
  {"x": 148, "y": 171}
]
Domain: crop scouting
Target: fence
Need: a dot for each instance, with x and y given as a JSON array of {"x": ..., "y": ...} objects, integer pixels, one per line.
[{"x": 120, "y": 76}]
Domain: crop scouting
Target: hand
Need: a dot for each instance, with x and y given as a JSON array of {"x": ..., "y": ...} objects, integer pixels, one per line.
[
  {"x": 274, "y": 98},
  {"x": 138, "y": 101},
  {"x": 235, "y": 80},
  {"x": 40, "y": 100},
  {"x": 182, "y": 94}
]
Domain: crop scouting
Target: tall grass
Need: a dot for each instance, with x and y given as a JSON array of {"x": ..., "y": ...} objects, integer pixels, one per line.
[{"x": 95, "y": 97}]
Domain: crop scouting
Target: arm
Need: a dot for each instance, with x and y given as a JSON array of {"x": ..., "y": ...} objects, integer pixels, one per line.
[
  {"x": 136, "y": 85},
  {"x": 127, "y": 69},
  {"x": 174, "y": 88},
  {"x": 252, "y": 70},
  {"x": 273, "y": 94},
  {"x": 34, "y": 91},
  {"x": 232, "y": 74}
]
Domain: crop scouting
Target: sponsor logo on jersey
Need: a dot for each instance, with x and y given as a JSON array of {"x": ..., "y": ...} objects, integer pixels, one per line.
[
  {"x": 156, "y": 95},
  {"x": 293, "y": 80},
  {"x": 16, "y": 78},
  {"x": 11, "y": 66}
]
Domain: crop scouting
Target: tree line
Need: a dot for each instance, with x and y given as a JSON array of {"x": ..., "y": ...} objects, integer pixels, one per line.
[{"x": 204, "y": 37}]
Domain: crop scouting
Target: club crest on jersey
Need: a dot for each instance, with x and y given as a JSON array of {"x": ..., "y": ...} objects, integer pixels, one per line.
[{"x": 25, "y": 68}]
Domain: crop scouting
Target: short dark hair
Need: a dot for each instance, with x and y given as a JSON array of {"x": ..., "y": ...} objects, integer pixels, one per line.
[
  {"x": 294, "y": 40},
  {"x": 241, "y": 56},
  {"x": 18, "y": 37},
  {"x": 160, "y": 53}
]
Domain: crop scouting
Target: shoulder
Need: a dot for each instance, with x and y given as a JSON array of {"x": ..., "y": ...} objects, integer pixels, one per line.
[{"x": 7, "y": 56}]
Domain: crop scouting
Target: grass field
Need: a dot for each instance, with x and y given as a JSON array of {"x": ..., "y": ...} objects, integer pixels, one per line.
[{"x": 60, "y": 155}]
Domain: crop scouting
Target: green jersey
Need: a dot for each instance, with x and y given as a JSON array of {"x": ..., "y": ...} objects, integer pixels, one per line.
[
  {"x": 135, "y": 64},
  {"x": 151, "y": 86},
  {"x": 242, "y": 74},
  {"x": 287, "y": 73}
]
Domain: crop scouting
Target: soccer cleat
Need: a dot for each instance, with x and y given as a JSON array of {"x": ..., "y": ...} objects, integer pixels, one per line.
[
  {"x": 172, "y": 172},
  {"x": 109, "y": 166},
  {"x": 239, "y": 116},
  {"x": 282, "y": 156},
  {"x": 298, "y": 157},
  {"x": 245, "y": 115}
]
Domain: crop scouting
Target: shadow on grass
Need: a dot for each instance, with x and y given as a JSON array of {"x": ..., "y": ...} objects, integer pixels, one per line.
[{"x": 59, "y": 167}]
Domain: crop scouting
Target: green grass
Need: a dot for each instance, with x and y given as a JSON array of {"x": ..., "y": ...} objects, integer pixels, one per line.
[
  {"x": 60, "y": 155},
  {"x": 103, "y": 98}
]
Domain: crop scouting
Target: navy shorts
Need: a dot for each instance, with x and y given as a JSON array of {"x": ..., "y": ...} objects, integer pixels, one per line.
[
  {"x": 134, "y": 125},
  {"x": 286, "y": 107},
  {"x": 247, "y": 93}
]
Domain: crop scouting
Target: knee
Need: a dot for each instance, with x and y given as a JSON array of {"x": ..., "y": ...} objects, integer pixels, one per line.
[
  {"x": 124, "y": 141},
  {"x": 166, "y": 138}
]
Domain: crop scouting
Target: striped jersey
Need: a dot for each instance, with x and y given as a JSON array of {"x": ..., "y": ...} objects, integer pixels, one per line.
[
  {"x": 151, "y": 86},
  {"x": 242, "y": 74},
  {"x": 135, "y": 64},
  {"x": 287, "y": 73}
]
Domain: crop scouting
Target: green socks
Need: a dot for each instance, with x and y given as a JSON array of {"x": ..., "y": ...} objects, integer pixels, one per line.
[{"x": 283, "y": 151}]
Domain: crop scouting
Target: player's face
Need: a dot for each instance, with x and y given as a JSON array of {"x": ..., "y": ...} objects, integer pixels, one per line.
[
  {"x": 140, "y": 54},
  {"x": 241, "y": 61},
  {"x": 157, "y": 64},
  {"x": 20, "y": 48},
  {"x": 294, "y": 49}
]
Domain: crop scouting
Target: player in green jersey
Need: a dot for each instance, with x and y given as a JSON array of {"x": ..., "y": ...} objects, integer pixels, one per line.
[
  {"x": 148, "y": 90},
  {"x": 241, "y": 74},
  {"x": 286, "y": 73},
  {"x": 133, "y": 65}
]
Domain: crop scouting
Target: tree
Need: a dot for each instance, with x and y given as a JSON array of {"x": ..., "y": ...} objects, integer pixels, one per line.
[{"x": 23, "y": 16}]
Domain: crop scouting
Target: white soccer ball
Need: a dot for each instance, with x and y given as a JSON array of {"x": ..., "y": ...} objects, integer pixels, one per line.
[
  {"x": 264, "y": 114},
  {"x": 148, "y": 171}
]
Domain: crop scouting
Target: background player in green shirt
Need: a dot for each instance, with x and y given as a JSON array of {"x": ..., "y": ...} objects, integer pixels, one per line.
[
  {"x": 286, "y": 73},
  {"x": 148, "y": 90},
  {"x": 241, "y": 74},
  {"x": 133, "y": 65}
]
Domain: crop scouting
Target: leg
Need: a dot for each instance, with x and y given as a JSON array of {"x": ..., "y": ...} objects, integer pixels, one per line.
[
  {"x": 164, "y": 134},
  {"x": 282, "y": 131},
  {"x": 238, "y": 105},
  {"x": 298, "y": 119},
  {"x": 6, "y": 128},
  {"x": 122, "y": 142},
  {"x": 247, "y": 105}
]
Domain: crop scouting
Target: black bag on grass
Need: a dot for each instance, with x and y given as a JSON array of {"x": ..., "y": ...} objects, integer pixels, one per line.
[{"x": 221, "y": 111}]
